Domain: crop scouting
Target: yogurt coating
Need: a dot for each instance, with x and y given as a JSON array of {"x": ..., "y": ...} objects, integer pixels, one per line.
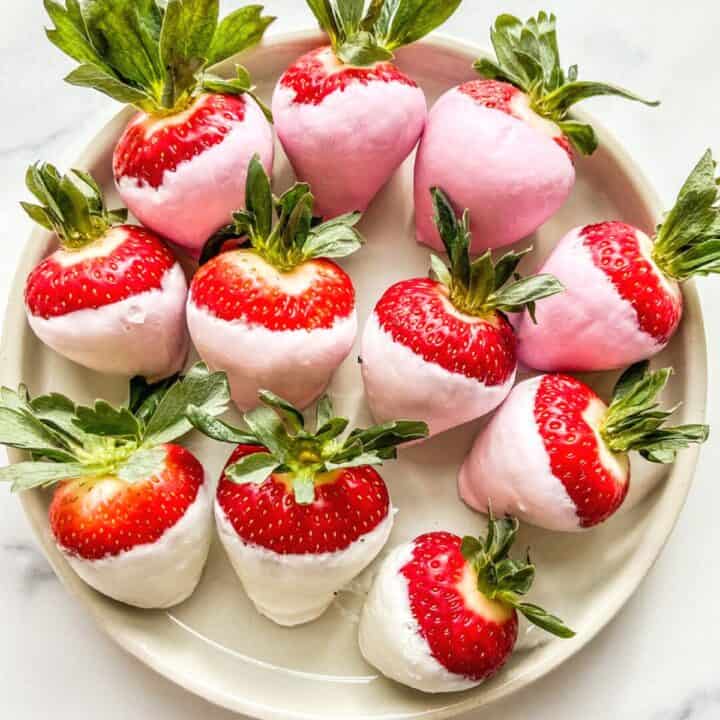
[
  {"x": 389, "y": 634},
  {"x": 588, "y": 327},
  {"x": 509, "y": 173},
  {"x": 200, "y": 196},
  {"x": 348, "y": 146},
  {"x": 159, "y": 574},
  {"x": 142, "y": 335},
  {"x": 297, "y": 365},
  {"x": 401, "y": 383},
  {"x": 294, "y": 589},
  {"x": 509, "y": 466}
]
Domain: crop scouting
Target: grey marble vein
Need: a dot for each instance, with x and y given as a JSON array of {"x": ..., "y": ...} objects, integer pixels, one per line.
[
  {"x": 34, "y": 568},
  {"x": 703, "y": 705}
]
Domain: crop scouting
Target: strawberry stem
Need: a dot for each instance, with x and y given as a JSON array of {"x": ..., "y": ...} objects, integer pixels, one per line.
[
  {"x": 634, "y": 420},
  {"x": 504, "y": 580},
  {"x": 688, "y": 241},
  {"x": 283, "y": 230},
  {"x": 285, "y": 446},
  {"x": 72, "y": 205},
  {"x": 480, "y": 287},
  {"x": 528, "y": 57}
]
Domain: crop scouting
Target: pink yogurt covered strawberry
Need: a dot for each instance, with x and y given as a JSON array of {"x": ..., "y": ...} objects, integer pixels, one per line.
[
  {"x": 556, "y": 456},
  {"x": 346, "y": 115},
  {"x": 503, "y": 146},
  {"x": 180, "y": 165},
  {"x": 112, "y": 296},
  {"x": 623, "y": 302},
  {"x": 443, "y": 350}
]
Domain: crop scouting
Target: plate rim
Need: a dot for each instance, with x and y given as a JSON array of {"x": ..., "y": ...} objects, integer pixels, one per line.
[{"x": 683, "y": 472}]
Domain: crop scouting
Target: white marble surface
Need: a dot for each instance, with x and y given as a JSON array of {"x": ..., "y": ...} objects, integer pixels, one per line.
[{"x": 657, "y": 660}]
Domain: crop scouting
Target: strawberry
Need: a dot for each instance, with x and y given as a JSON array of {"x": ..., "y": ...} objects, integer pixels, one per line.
[
  {"x": 111, "y": 290},
  {"x": 442, "y": 615},
  {"x": 623, "y": 302},
  {"x": 346, "y": 115},
  {"x": 301, "y": 514},
  {"x": 276, "y": 315},
  {"x": 132, "y": 511},
  {"x": 503, "y": 146},
  {"x": 556, "y": 456},
  {"x": 443, "y": 350},
  {"x": 180, "y": 164}
]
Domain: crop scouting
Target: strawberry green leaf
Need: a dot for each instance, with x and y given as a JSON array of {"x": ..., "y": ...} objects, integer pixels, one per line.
[
  {"x": 688, "y": 241},
  {"x": 403, "y": 22},
  {"x": 72, "y": 205},
  {"x": 29, "y": 475},
  {"x": 21, "y": 430},
  {"x": 147, "y": 52},
  {"x": 581, "y": 135},
  {"x": 255, "y": 468},
  {"x": 362, "y": 49},
  {"x": 217, "y": 429},
  {"x": 479, "y": 287},
  {"x": 289, "y": 414},
  {"x": 106, "y": 421},
  {"x": 283, "y": 230},
  {"x": 550, "y": 623},
  {"x": 145, "y": 397},
  {"x": 634, "y": 420},
  {"x": 239, "y": 31},
  {"x": 266, "y": 425},
  {"x": 527, "y": 55},
  {"x": 503, "y": 579},
  {"x": 324, "y": 11},
  {"x": 200, "y": 387},
  {"x": 239, "y": 85},
  {"x": 59, "y": 412},
  {"x": 143, "y": 464},
  {"x": 325, "y": 413}
]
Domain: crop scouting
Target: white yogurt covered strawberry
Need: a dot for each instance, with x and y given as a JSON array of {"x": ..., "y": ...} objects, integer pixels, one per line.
[
  {"x": 623, "y": 301},
  {"x": 132, "y": 512},
  {"x": 112, "y": 297},
  {"x": 443, "y": 350},
  {"x": 301, "y": 514},
  {"x": 278, "y": 315},
  {"x": 502, "y": 146},
  {"x": 346, "y": 115},
  {"x": 556, "y": 456},
  {"x": 180, "y": 165},
  {"x": 442, "y": 615}
]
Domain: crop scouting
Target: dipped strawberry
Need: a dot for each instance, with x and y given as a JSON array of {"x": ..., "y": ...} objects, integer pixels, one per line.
[
  {"x": 132, "y": 510},
  {"x": 556, "y": 456},
  {"x": 442, "y": 615},
  {"x": 279, "y": 314},
  {"x": 301, "y": 514},
  {"x": 503, "y": 146},
  {"x": 112, "y": 297},
  {"x": 346, "y": 115},
  {"x": 623, "y": 301},
  {"x": 181, "y": 163},
  {"x": 443, "y": 350}
]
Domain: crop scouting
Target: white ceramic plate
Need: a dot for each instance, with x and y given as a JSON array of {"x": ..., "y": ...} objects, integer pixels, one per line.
[{"x": 215, "y": 644}]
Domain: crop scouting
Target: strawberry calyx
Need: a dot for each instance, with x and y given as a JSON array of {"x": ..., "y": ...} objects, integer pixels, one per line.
[
  {"x": 68, "y": 441},
  {"x": 687, "y": 242},
  {"x": 504, "y": 580},
  {"x": 154, "y": 54},
  {"x": 282, "y": 230},
  {"x": 634, "y": 420},
  {"x": 364, "y": 35},
  {"x": 72, "y": 205},
  {"x": 527, "y": 56},
  {"x": 307, "y": 457},
  {"x": 480, "y": 287}
]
